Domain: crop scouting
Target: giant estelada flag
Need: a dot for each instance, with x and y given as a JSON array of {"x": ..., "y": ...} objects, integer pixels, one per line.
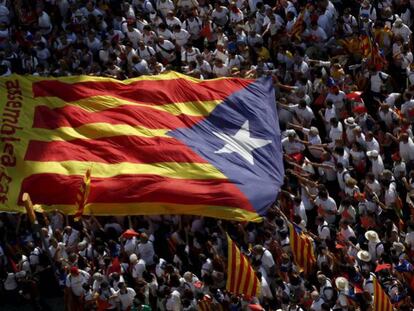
[{"x": 166, "y": 144}]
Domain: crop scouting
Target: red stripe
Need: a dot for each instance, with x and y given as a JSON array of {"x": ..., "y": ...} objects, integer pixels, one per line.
[
  {"x": 295, "y": 246},
  {"x": 248, "y": 281},
  {"x": 240, "y": 272},
  {"x": 308, "y": 259},
  {"x": 254, "y": 291},
  {"x": 116, "y": 149},
  {"x": 158, "y": 92},
  {"x": 233, "y": 268},
  {"x": 72, "y": 116},
  {"x": 52, "y": 189}
]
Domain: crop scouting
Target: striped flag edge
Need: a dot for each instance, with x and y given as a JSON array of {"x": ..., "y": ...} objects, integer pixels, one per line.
[
  {"x": 241, "y": 277},
  {"x": 381, "y": 300},
  {"x": 302, "y": 249}
]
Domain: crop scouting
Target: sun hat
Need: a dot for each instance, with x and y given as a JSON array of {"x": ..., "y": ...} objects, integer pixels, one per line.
[
  {"x": 364, "y": 256},
  {"x": 341, "y": 283},
  {"x": 372, "y": 236},
  {"x": 350, "y": 121}
]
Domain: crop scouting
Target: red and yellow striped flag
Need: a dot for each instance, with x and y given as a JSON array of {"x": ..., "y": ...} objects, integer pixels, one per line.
[
  {"x": 302, "y": 248},
  {"x": 298, "y": 26},
  {"x": 83, "y": 194},
  {"x": 381, "y": 300},
  {"x": 165, "y": 144},
  {"x": 241, "y": 277}
]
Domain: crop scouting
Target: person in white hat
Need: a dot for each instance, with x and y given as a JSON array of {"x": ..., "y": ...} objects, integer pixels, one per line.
[
  {"x": 375, "y": 246},
  {"x": 290, "y": 144},
  {"x": 342, "y": 285},
  {"x": 398, "y": 249},
  {"x": 313, "y": 141},
  {"x": 350, "y": 124},
  {"x": 364, "y": 260},
  {"x": 377, "y": 165}
]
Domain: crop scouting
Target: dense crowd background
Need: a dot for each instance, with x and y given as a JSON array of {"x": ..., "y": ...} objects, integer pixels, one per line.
[{"x": 347, "y": 140}]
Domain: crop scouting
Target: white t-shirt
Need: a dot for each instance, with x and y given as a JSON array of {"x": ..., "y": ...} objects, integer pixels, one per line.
[
  {"x": 138, "y": 269},
  {"x": 75, "y": 282},
  {"x": 134, "y": 36},
  {"x": 328, "y": 205},
  {"x": 292, "y": 147},
  {"x": 407, "y": 150},
  {"x": 335, "y": 133},
  {"x": 221, "y": 71},
  {"x": 220, "y": 18},
  {"x": 377, "y": 81},
  {"x": 174, "y": 302},
  {"x": 127, "y": 298},
  {"x": 130, "y": 245},
  {"x": 377, "y": 166},
  {"x": 181, "y": 37},
  {"x": 146, "y": 251}
]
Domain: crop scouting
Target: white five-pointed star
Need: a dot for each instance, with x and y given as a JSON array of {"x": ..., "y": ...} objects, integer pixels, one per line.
[{"x": 241, "y": 143}]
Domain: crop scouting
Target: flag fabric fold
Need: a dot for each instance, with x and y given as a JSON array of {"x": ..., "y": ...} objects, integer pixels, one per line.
[
  {"x": 83, "y": 194},
  {"x": 241, "y": 277},
  {"x": 302, "y": 248},
  {"x": 381, "y": 300}
]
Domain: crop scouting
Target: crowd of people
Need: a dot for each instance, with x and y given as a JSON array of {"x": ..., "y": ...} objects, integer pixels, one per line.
[{"x": 346, "y": 117}]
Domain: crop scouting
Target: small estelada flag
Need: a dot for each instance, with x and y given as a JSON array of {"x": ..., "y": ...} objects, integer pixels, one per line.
[{"x": 241, "y": 277}]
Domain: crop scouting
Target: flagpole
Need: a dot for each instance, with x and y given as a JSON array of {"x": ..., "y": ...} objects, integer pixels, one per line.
[{"x": 37, "y": 230}]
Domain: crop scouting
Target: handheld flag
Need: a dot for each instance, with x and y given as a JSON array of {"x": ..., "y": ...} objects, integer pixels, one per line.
[
  {"x": 165, "y": 144},
  {"x": 241, "y": 277},
  {"x": 83, "y": 194},
  {"x": 297, "y": 28},
  {"x": 302, "y": 248},
  {"x": 381, "y": 300}
]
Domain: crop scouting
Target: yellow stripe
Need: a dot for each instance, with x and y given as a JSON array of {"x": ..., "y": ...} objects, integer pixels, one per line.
[
  {"x": 240, "y": 285},
  {"x": 237, "y": 276},
  {"x": 152, "y": 208},
  {"x": 229, "y": 261},
  {"x": 100, "y": 103},
  {"x": 251, "y": 282},
  {"x": 102, "y": 170},
  {"x": 305, "y": 257},
  {"x": 171, "y": 75},
  {"x": 95, "y": 131}
]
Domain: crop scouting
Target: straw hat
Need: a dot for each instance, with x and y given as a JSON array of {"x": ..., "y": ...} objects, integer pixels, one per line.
[
  {"x": 398, "y": 246},
  {"x": 342, "y": 283},
  {"x": 364, "y": 256},
  {"x": 372, "y": 236},
  {"x": 350, "y": 122}
]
